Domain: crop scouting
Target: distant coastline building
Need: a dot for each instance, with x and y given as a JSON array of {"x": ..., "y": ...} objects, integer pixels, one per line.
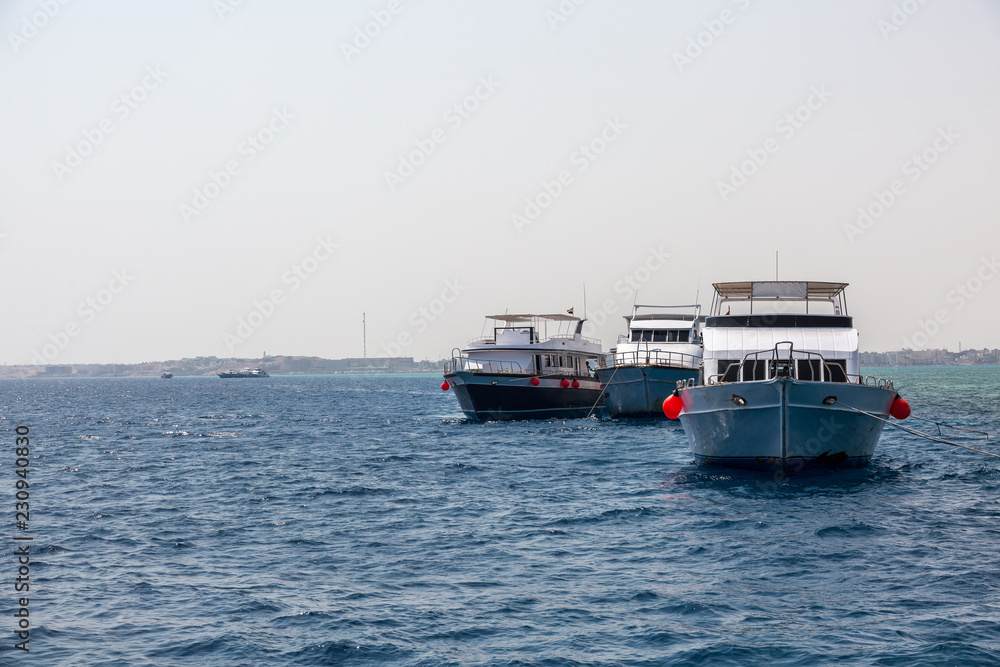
[
  {"x": 935, "y": 357},
  {"x": 210, "y": 366}
]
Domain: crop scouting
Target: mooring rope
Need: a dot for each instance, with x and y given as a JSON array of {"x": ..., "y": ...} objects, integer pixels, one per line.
[
  {"x": 916, "y": 432},
  {"x": 953, "y": 407},
  {"x": 603, "y": 389},
  {"x": 959, "y": 428}
]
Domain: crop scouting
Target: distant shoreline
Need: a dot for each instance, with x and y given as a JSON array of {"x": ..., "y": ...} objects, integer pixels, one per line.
[
  {"x": 211, "y": 366},
  {"x": 215, "y": 377},
  {"x": 293, "y": 366}
]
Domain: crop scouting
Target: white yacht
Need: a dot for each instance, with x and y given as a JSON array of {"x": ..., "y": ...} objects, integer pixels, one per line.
[
  {"x": 245, "y": 373},
  {"x": 529, "y": 367},
  {"x": 781, "y": 386},
  {"x": 662, "y": 346}
]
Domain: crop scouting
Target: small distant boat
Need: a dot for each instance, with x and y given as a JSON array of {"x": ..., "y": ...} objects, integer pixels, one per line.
[
  {"x": 167, "y": 375},
  {"x": 245, "y": 373},
  {"x": 662, "y": 346},
  {"x": 525, "y": 371}
]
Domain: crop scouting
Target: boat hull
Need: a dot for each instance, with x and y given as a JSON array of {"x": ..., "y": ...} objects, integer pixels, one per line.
[
  {"x": 639, "y": 391},
  {"x": 784, "y": 425},
  {"x": 501, "y": 397}
]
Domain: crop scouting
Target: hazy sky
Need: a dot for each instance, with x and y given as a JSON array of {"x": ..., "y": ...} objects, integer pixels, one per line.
[{"x": 168, "y": 169}]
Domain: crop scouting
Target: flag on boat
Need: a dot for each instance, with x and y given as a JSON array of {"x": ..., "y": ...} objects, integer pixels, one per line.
[{"x": 570, "y": 311}]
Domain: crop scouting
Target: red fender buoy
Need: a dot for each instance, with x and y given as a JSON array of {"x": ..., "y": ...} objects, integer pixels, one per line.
[
  {"x": 672, "y": 406},
  {"x": 564, "y": 383},
  {"x": 576, "y": 384},
  {"x": 445, "y": 386},
  {"x": 900, "y": 408},
  {"x": 535, "y": 382}
]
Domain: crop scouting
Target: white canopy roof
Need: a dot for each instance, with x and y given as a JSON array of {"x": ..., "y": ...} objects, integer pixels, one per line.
[
  {"x": 779, "y": 289},
  {"x": 523, "y": 317}
]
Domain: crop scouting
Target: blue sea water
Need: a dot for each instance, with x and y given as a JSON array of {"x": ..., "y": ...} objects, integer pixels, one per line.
[{"x": 363, "y": 521}]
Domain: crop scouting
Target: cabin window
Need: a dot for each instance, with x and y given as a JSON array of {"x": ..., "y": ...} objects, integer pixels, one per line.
[
  {"x": 808, "y": 369},
  {"x": 729, "y": 370},
  {"x": 837, "y": 369},
  {"x": 646, "y": 336},
  {"x": 755, "y": 369},
  {"x": 661, "y": 335}
]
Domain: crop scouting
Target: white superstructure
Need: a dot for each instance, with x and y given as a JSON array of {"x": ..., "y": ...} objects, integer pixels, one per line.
[
  {"x": 531, "y": 344},
  {"x": 664, "y": 337},
  {"x": 751, "y": 317}
]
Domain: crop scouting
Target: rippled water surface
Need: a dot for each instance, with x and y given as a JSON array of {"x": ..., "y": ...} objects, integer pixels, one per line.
[{"x": 362, "y": 521}]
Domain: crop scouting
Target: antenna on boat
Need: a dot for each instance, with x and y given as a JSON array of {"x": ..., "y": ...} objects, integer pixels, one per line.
[
  {"x": 364, "y": 336},
  {"x": 584, "y": 300},
  {"x": 775, "y": 265}
]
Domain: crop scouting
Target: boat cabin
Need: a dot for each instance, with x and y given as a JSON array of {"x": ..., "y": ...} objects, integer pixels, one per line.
[
  {"x": 531, "y": 344},
  {"x": 767, "y": 329},
  {"x": 660, "y": 335}
]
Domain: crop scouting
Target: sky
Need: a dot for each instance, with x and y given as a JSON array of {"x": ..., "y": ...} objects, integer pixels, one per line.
[{"x": 236, "y": 177}]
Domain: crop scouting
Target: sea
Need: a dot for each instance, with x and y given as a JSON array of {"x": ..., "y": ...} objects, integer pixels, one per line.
[{"x": 361, "y": 520}]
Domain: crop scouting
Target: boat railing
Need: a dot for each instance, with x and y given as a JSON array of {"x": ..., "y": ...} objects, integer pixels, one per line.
[
  {"x": 781, "y": 362},
  {"x": 651, "y": 358},
  {"x": 871, "y": 381},
  {"x": 573, "y": 337},
  {"x": 483, "y": 340},
  {"x": 462, "y": 362},
  {"x": 490, "y": 340},
  {"x": 764, "y": 365}
]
